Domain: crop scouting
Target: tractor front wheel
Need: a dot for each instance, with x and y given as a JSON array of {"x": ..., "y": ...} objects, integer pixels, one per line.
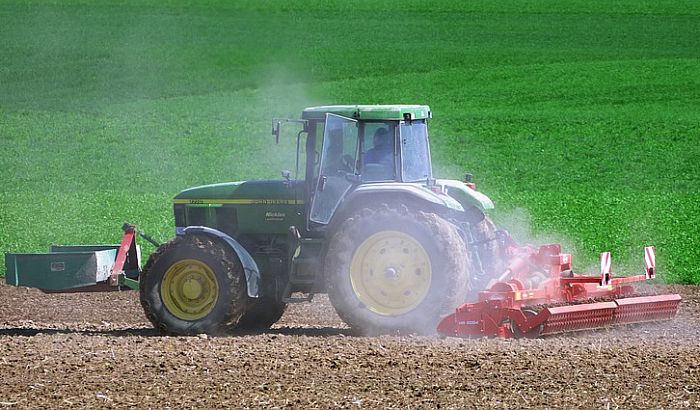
[
  {"x": 193, "y": 284},
  {"x": 390, "y": 270}
]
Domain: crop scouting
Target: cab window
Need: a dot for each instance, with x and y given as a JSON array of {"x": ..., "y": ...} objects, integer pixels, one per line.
[{"x": 379, "y": 152}]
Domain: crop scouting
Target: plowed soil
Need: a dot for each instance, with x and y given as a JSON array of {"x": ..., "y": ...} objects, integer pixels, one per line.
[{"x": 98, "y": 350}]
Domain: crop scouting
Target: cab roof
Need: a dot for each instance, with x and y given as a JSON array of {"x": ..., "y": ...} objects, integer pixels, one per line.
[{"x": 369, "y": 112}]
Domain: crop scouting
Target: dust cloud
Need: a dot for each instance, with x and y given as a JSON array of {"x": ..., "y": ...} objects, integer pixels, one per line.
[{"x": 519, "y": 225}]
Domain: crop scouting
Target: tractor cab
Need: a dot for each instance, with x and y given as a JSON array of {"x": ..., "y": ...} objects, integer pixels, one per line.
[{"x": 349, "y": 146}]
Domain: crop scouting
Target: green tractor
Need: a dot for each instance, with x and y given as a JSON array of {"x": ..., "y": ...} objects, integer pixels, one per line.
[{"x": 394, "y": 248}]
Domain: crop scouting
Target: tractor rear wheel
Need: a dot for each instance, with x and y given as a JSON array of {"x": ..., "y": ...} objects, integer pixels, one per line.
[
  {"x": 193, "y": 284},
  {"x": 390, "y": 270}
]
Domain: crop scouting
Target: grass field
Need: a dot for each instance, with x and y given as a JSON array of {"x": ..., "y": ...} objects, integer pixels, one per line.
[{"x": 581, "y": 119}]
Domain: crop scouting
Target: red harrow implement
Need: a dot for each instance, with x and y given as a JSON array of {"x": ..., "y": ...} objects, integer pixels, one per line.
[{"x": 540, "y": 295}]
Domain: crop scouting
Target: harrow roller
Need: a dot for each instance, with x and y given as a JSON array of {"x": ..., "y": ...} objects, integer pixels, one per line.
[
  {"x": 578, "y": 317},
  {"x": 646, "y": 308}
]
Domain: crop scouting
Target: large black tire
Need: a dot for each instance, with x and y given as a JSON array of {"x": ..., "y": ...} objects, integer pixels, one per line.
[
  {"x": 262, "y": 313},
  {"x": 362, "y": 268},
  {"x": 177, "y": 271}
]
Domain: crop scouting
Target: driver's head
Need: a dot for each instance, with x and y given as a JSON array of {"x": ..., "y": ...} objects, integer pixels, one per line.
[{"x": 382, "y": 138}]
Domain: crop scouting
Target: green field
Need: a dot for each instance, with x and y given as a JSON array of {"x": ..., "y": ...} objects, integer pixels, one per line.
[{"x": 581, "y": 119}]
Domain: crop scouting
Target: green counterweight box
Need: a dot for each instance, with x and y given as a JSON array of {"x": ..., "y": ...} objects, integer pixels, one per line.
[{"x": 62, "y": 268}]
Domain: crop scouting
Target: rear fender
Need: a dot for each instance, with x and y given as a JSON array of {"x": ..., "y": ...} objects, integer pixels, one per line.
[
  {"x": 412, "y": 195},
  {"x": 250, "y": 268},
  {"x": 397, "y": 189}
]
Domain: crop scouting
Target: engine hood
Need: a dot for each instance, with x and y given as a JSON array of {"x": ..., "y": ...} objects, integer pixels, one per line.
[{"x": 243, "y": 192}]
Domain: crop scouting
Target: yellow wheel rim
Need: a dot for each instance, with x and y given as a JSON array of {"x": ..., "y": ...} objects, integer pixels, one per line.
[
  {"x": 189, "y": 289},
  {"x": 391, "y": 273}
]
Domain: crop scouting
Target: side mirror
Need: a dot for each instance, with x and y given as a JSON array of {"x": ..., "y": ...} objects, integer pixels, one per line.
[
  {"x": 276, "y": 130},
  {"x": 277, "y": 125}
]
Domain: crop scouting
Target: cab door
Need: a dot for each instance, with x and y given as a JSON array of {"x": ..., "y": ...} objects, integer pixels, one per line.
[{"x": 338, "y": 161}]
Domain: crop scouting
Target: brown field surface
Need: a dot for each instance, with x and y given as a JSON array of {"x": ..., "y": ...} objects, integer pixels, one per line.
[{"x": 98, "y": 350}]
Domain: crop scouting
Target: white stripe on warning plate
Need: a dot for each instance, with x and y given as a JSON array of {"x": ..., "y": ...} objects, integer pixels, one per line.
[
  {"x": 605, "y": 263},
  {"x": 649, "y": 257},
  {"x": 649, "y": 262}
]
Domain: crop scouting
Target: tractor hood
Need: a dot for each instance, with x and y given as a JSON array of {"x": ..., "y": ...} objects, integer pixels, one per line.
[
  {"x": 274, "y": 192},
  {"x": 245, "y": 207}
]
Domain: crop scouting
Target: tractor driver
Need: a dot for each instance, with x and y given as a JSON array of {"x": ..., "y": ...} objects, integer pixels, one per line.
[{"x": 383, "y": 151}]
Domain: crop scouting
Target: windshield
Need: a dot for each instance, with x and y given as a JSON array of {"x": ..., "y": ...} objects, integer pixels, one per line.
[{"x": 415, "y": 151}]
